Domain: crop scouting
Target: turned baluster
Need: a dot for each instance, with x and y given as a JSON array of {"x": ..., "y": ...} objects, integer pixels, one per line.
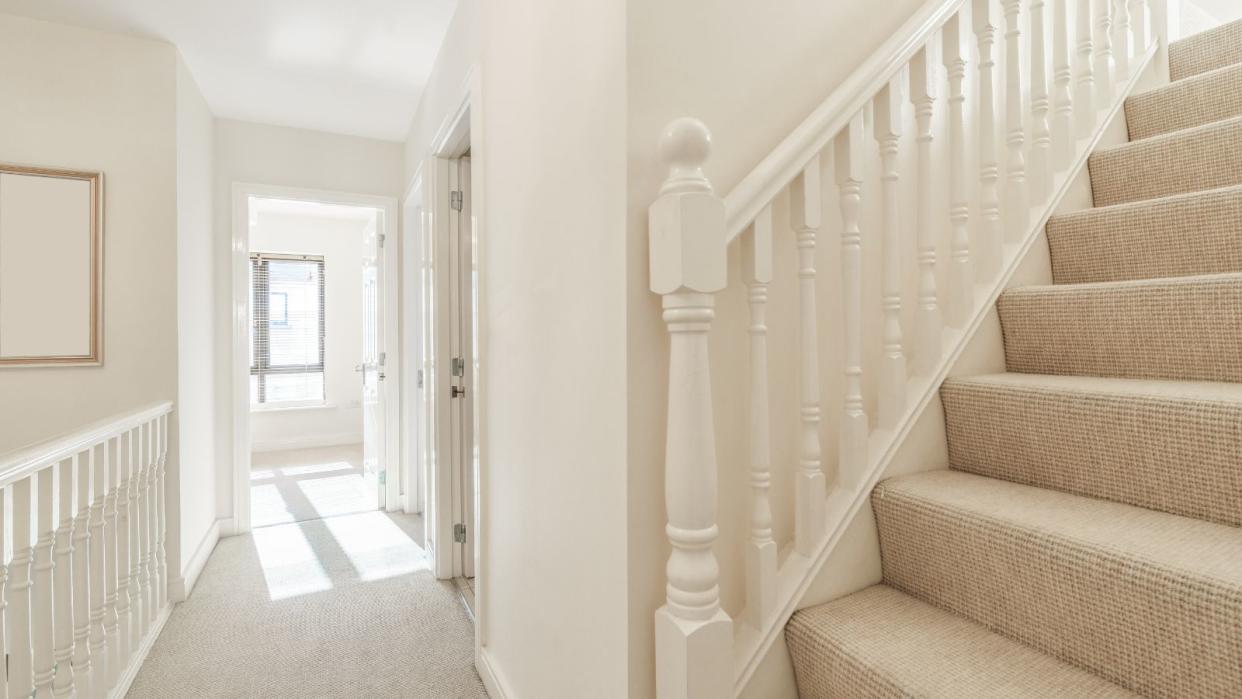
[
  {"x": 806, "y": 216},
  {"x": 146, "y": 530},
  {"x": 848, "y": 150},
  {"x": 927, "y": 321},
  {"x": 21, "y": 656},
  {"x": 1124, "y": 47},
  {"x": 137, "y": 613},
  {"x": 1104, "y": 60},
  {"x": 4, "y": 586},
  {"x": 761, "y": 551},
  {"x": 82, "y": 564},
  {"x": 961, "y": 276},
  {"x": 1062, "y": 95},
  {"x": 991, "y": 239},
  {"x": 887, "y": 110},
  {"x": 62, "y": 580},
  {"x": 112, "y": 570},
  {"x": 1084, "y": 97},
  {"x": 1138, "y": 25},
  {"x": 101, "y": 667},
  {"x": 124, "y": 512},
  {"x": 1017, "y": 203},
  {"x": 1039, "y": 170},
  {"x": 161, "y": 563},
  {"x": 41, "y": 628},
  {"x": 694, "y": 636}
]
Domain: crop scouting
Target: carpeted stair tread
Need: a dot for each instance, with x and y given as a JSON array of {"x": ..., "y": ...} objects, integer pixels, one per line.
[
  {"x": 1148, "y": 600},
  {"x": 1181, "y": 328},
  {"x": 880, "y": 642},
  {"x": 1202, "y": 99},
  {"x": 1182, "y": 235},
  {"x": 1172, "y": 446},
  {"x": 1190, "y": 160},
  {"x": 1206, "y": 51}
]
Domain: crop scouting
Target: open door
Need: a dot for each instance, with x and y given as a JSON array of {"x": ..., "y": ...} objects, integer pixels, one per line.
[
  {"x": 377, "y": 451},
  {"x": 463, "y": 309}
]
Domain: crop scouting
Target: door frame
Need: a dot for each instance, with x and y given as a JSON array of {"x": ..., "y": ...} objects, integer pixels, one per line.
[
  {"x": 415, "y": 217},
  {"x": 239, "y": 297}
]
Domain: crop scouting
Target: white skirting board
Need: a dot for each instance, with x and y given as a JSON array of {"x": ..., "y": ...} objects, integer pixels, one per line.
[
  {"x": 307, "y": 442},
  {"x": 135, "y": 663},
  {"x": 492, "y": 682},
  {"x": 179, "y": 587}
]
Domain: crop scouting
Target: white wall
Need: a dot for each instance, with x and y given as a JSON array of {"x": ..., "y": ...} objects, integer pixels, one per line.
[
  {"x": 274, "y": 155},
  {"x": 1201, "y": 15},
  {"x": 196, "y": 404},
  {"x": 339, "y": 242},
  {"x": 88, "y": 100}
]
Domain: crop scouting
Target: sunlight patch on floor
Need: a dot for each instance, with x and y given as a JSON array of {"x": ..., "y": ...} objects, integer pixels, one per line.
[
  {"x": 290, "y": 566},
  {"x": 377, "y": 548}
]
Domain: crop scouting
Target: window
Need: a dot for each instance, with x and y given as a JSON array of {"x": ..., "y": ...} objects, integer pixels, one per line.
[{"x": 287, "y": 331}]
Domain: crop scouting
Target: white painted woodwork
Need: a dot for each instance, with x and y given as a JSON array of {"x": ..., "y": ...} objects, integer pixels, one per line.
[
  {"x": 687, "y": 247},
  {"x": 1063, "y": 137},
  {"x": 989, "y": 244},
  {"x": 928, "y": 325},
  {"x": 1123, "y": 50},
  {"x": 1039, "y": 173},
  {"x": 1017, "y": 201},
  {"x": 1104, "y": 60},
  {"x": 124, "y": 510},
  {"x": 111, "y": 563},
  {"x": 81, "y": 661},
  {"x": 887, "y": 111},
  {"x": 161, "y": 565},
  {"x": 145, "y": 531},
  {"x": 41, "y": 590},
  {"x": 62, "y": 580},
  {"x": 101, "y": 668},
  {"x": 761, "y": 552},
  {"x": 21, "y": 657},
  {"x": 4, "y": 589},
  {"x": 1138, "y": 26},
  {"x": 849, "y": 154},
  {"x": 806, "y": 216},
  {"x": 1084, "y": 95},
  {"x": 961, "y": 275}
]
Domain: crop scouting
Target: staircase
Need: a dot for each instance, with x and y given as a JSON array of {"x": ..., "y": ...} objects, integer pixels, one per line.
[{"x": 1085, "y": 541}]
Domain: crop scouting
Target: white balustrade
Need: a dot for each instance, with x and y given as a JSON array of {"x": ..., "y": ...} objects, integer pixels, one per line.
[
  {"x": 66, "y": 505},
  {"x": 1017, "y": 202},
  {"x": 961, "y": 276},
  {"x": 991, "y": 239},
  {"x": 1063, "y": 137},
  {"x": 927, "y": 319},
  {"x": 887, "y": 109},
  {"x": 924, "y": 197}
]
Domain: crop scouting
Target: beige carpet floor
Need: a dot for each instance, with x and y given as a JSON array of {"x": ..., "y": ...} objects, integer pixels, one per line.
[{"x": 337, "y": 607}]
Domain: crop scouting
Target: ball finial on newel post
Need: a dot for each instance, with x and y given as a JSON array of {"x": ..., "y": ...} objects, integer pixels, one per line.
[{"x": 685, "y": 145}]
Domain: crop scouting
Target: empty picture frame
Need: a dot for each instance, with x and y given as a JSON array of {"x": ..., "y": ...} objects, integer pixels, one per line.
[{"x": 51, "y": 266}]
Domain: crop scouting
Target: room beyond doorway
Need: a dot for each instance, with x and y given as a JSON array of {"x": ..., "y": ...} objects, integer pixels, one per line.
[{"x": 296, "y": 485}]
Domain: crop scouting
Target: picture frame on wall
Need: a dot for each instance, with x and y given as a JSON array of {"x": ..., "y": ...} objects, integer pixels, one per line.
[{"x": 51, "y": 267}]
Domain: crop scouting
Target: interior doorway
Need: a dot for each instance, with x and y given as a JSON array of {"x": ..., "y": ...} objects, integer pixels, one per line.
[{"x": 314, "y": 352}]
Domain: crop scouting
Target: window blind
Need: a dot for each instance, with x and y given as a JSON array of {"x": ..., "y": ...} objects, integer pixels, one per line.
[{"x": 287, "y": 328}]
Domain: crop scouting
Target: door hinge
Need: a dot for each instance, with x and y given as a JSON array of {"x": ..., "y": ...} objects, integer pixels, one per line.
[
  {"x": 420, "y": 378},
  {"x": 383, "y": 477},
  {"x": 455, "y": 200},
  {"x": 459, "y": 533},
  {"x": 380, "y": 239},
  {"x": 459, "y": 366},
  {"x": 383, "y": 358}
]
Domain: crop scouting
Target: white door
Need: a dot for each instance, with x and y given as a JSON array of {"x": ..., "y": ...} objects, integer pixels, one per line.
[
  {"x": 373, "y": 442},
  {"x": 463, "y": 307}
]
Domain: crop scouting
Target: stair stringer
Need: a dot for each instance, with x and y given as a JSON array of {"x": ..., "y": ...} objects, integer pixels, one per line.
[{"x": 850, "y": 560}]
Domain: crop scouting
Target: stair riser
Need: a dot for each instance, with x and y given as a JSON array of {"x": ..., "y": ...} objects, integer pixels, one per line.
[
  {"x": 1187, "y": 329},
  {"x": 1205, "y": 99},
  {"x": 1207, "y": 51},
  {"x": 1146, "y": 628},
  {"x": 1176, "y": 456},
  {"x": 1176, "y": 237},
  {"x": 1192, "y": 161}
]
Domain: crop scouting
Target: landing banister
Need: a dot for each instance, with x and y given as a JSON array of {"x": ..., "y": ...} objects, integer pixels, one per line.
[{"x": 758, "y": 188}]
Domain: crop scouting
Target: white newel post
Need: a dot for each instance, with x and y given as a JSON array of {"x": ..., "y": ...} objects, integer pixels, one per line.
[
  {"x": 991, "y": 240},
  {"x": 694, "y": 636},
  {"x": 41, "y": 593},
  {"x": 761, "y": 551},
  {"x": 1084, "y": 95},
  {"x": 810, "y": 488},
  {"x": 62, "y": 579},
  {"x": 928, "y": 326},
  {"x": 887, "y": 109},
  {"x": 81, "y": 577},
  {"x": 1062, "y": 93},
  {"x": 848, "y": 150},
  {"x": 21, "y": 658},
  {"x": 1104, "y": 64},
  {"x": 1017, "y": 201},
  {"x": 1040, "y": 175},
  {"x": 961, "y": 276}
]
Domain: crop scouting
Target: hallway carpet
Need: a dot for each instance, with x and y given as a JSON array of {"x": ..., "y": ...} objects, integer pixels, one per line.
[{"x": 336, "y": 607}]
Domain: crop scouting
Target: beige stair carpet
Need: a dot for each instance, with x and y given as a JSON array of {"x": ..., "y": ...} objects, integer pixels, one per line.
[
  {"x": 1092, "y": 513},
  {"x": 927, "y": 652},
  {"x": 1146, "y": 599}
]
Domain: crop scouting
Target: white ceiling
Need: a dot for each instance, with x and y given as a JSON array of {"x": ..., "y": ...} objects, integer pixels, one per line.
[{"x": 345, "y": 66}]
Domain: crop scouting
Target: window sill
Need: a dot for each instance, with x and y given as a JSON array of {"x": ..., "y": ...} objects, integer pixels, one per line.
[{"x": 289, "y": 407}]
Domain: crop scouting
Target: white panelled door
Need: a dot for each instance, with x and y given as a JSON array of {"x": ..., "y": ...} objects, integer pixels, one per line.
[{"x": 372, "y": 367}]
